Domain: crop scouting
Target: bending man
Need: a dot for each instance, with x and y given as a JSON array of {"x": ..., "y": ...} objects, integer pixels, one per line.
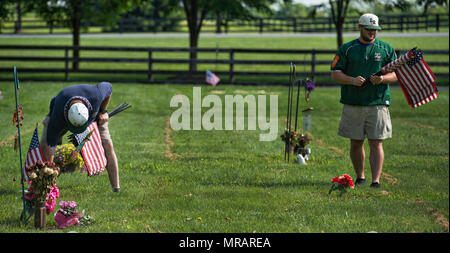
[{"x": 74, "y": 109}]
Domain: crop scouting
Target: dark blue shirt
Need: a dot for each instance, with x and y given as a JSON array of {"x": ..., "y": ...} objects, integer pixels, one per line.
[{"x": 91, "y": 95}]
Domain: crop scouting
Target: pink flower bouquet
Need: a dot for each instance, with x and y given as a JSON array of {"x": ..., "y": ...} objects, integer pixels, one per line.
[
  {"x": 51, "y": 199},
  {"x": 67, "y": 215}
]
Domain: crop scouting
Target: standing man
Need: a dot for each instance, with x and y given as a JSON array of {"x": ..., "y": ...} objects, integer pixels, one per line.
[
  {"x": 365, "y": 113},
  {"x": 74, "y": 109}
]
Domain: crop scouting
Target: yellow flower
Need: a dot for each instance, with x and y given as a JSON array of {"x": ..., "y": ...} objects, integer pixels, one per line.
[
  {"x": 33, "y": 176},
  {"x": 48, "y": 171}
]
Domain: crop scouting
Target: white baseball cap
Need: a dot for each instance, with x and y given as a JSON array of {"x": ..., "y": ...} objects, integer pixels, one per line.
[
  {"x": 369, "y": 21},
  {"x": 78, "y": 114}
]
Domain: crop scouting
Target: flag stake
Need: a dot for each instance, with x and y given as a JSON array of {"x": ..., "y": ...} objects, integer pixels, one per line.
[
  {"x": 286, "y": 146},
  {"x": 22, "y": 173}
]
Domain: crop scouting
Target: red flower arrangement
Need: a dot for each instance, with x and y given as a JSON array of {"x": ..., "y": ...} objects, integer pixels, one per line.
[{"x": 343, "y": 182}]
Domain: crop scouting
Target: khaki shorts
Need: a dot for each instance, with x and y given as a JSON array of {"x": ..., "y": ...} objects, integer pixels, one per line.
[
  {"x": 360, "y": 122},
  {"x": 103, "y": 130}
]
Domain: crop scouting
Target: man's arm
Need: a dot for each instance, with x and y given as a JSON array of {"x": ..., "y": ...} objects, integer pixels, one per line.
[
  {"x": 103, "y": 117},
  {"x": 383, "y": 79},
  {"x": 342, "y": 78},
  {"x": 48, "y": 152},
  {"x": 105, "y": 103}
]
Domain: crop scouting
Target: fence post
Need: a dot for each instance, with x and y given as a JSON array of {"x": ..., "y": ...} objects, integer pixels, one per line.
[
  {"x": 330, "y": 28},
  {"x": 231, "y": 66},
  {"x": 66, "y": 63},
  {"x": 295, "y": 24},
  {"x": 417, "y": 23},
  {"x": 437, "y": 22},
  {"x": 401, "y": 23},
  {"x": 218, "y": 24},
  {"x": 150, "y": 65},
  {"x": 313, "y": 64},
  {"x": 261, "y": 25}
]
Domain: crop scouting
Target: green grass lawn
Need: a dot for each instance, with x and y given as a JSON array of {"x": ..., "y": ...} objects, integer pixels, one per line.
[{"x": 229, "y": 181}]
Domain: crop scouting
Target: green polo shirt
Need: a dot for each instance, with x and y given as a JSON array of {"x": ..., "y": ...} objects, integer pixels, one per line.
[{"x": 357, "y": 59}]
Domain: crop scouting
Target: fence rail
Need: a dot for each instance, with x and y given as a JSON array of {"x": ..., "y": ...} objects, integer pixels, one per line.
[
  {"x": 434, "y": 22},
  {"x": 234, "y": 62}
]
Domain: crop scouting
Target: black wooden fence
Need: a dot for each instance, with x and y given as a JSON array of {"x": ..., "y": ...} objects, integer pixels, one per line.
[
  {"x": 250, "y": 66},
  {"x": 402, "y": 23}
]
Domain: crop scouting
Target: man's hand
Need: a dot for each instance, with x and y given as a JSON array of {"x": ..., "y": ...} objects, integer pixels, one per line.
[
  {"x": 103, "y": 118},
  {"x": 358, "y": 81},
  {"x": 376, "y": 79},
  {"x": 48, "y": 152}
]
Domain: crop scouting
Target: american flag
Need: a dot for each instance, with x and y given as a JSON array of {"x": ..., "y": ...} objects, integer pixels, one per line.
[
  {"x": 92, "y": 151},
  {"x": 415, "y": 77},
  {"x": 211, "y": 78},
  {"x": 34, "y": 151}
]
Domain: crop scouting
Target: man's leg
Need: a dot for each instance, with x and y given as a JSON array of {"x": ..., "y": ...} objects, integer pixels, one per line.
[
  {"x": 48, "y": 152},
  {"x": 376, "y": 159},
  {"x": 357, "y": 156}
]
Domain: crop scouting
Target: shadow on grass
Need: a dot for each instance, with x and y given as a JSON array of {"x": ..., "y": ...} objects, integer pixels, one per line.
[
  {"x": 299, "y": 184},
  {"x": 4, "y": 192}
]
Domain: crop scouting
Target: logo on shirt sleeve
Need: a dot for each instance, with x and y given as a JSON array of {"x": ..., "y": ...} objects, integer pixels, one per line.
[{"x": 335, "y": 61}]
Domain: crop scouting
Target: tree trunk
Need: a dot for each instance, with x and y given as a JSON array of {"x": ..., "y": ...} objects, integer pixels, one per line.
[
  {"x": 191, "y": 9},
  {"x": 193, "y": 43},
  {"x": 195, "y": 19},
  {"x": 18, "y": 25},
  {"x": 157, "y": 5},
  {"x": 339, "y": 31},
  {"x": 76, "y": 23},
  {"x": 218, "y": 23},
  {"x": 338, "y": 14}
]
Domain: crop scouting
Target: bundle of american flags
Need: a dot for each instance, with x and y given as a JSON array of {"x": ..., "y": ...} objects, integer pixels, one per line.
[
  {"x": 91, "y": 147},
  {"x": 92, "y": 150},
  {"x": 415, "y": 77}
]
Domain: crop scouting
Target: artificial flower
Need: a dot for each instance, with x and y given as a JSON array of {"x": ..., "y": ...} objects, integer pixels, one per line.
[{"x": 343, "y": 182}]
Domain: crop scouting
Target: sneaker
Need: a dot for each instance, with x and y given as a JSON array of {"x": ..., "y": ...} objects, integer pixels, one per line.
[
  {"x": 375, "y": 185},
  {"x": 360, "y": 181}
]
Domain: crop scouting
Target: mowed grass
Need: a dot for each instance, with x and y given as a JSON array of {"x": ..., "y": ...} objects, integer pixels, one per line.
[{"x": 229, "y": 181}]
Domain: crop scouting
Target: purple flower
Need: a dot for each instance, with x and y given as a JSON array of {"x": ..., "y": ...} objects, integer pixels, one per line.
[
  {"x": 63, "y": 204},
  {"x": 72, "y": 204},
  {"x": 310, "y": 86}
]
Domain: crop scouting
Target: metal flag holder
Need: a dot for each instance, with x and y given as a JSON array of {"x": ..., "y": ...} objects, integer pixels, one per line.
[
  {"x": 23, "y": 176},
  {"x": 290, "y": 136}
]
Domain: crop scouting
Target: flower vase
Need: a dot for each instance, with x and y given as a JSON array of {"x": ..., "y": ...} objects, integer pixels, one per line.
[
  {"x": 68, "y": 168},
  {"x": 291, "y": 148},
  {"x": 40, "y": 215}
]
